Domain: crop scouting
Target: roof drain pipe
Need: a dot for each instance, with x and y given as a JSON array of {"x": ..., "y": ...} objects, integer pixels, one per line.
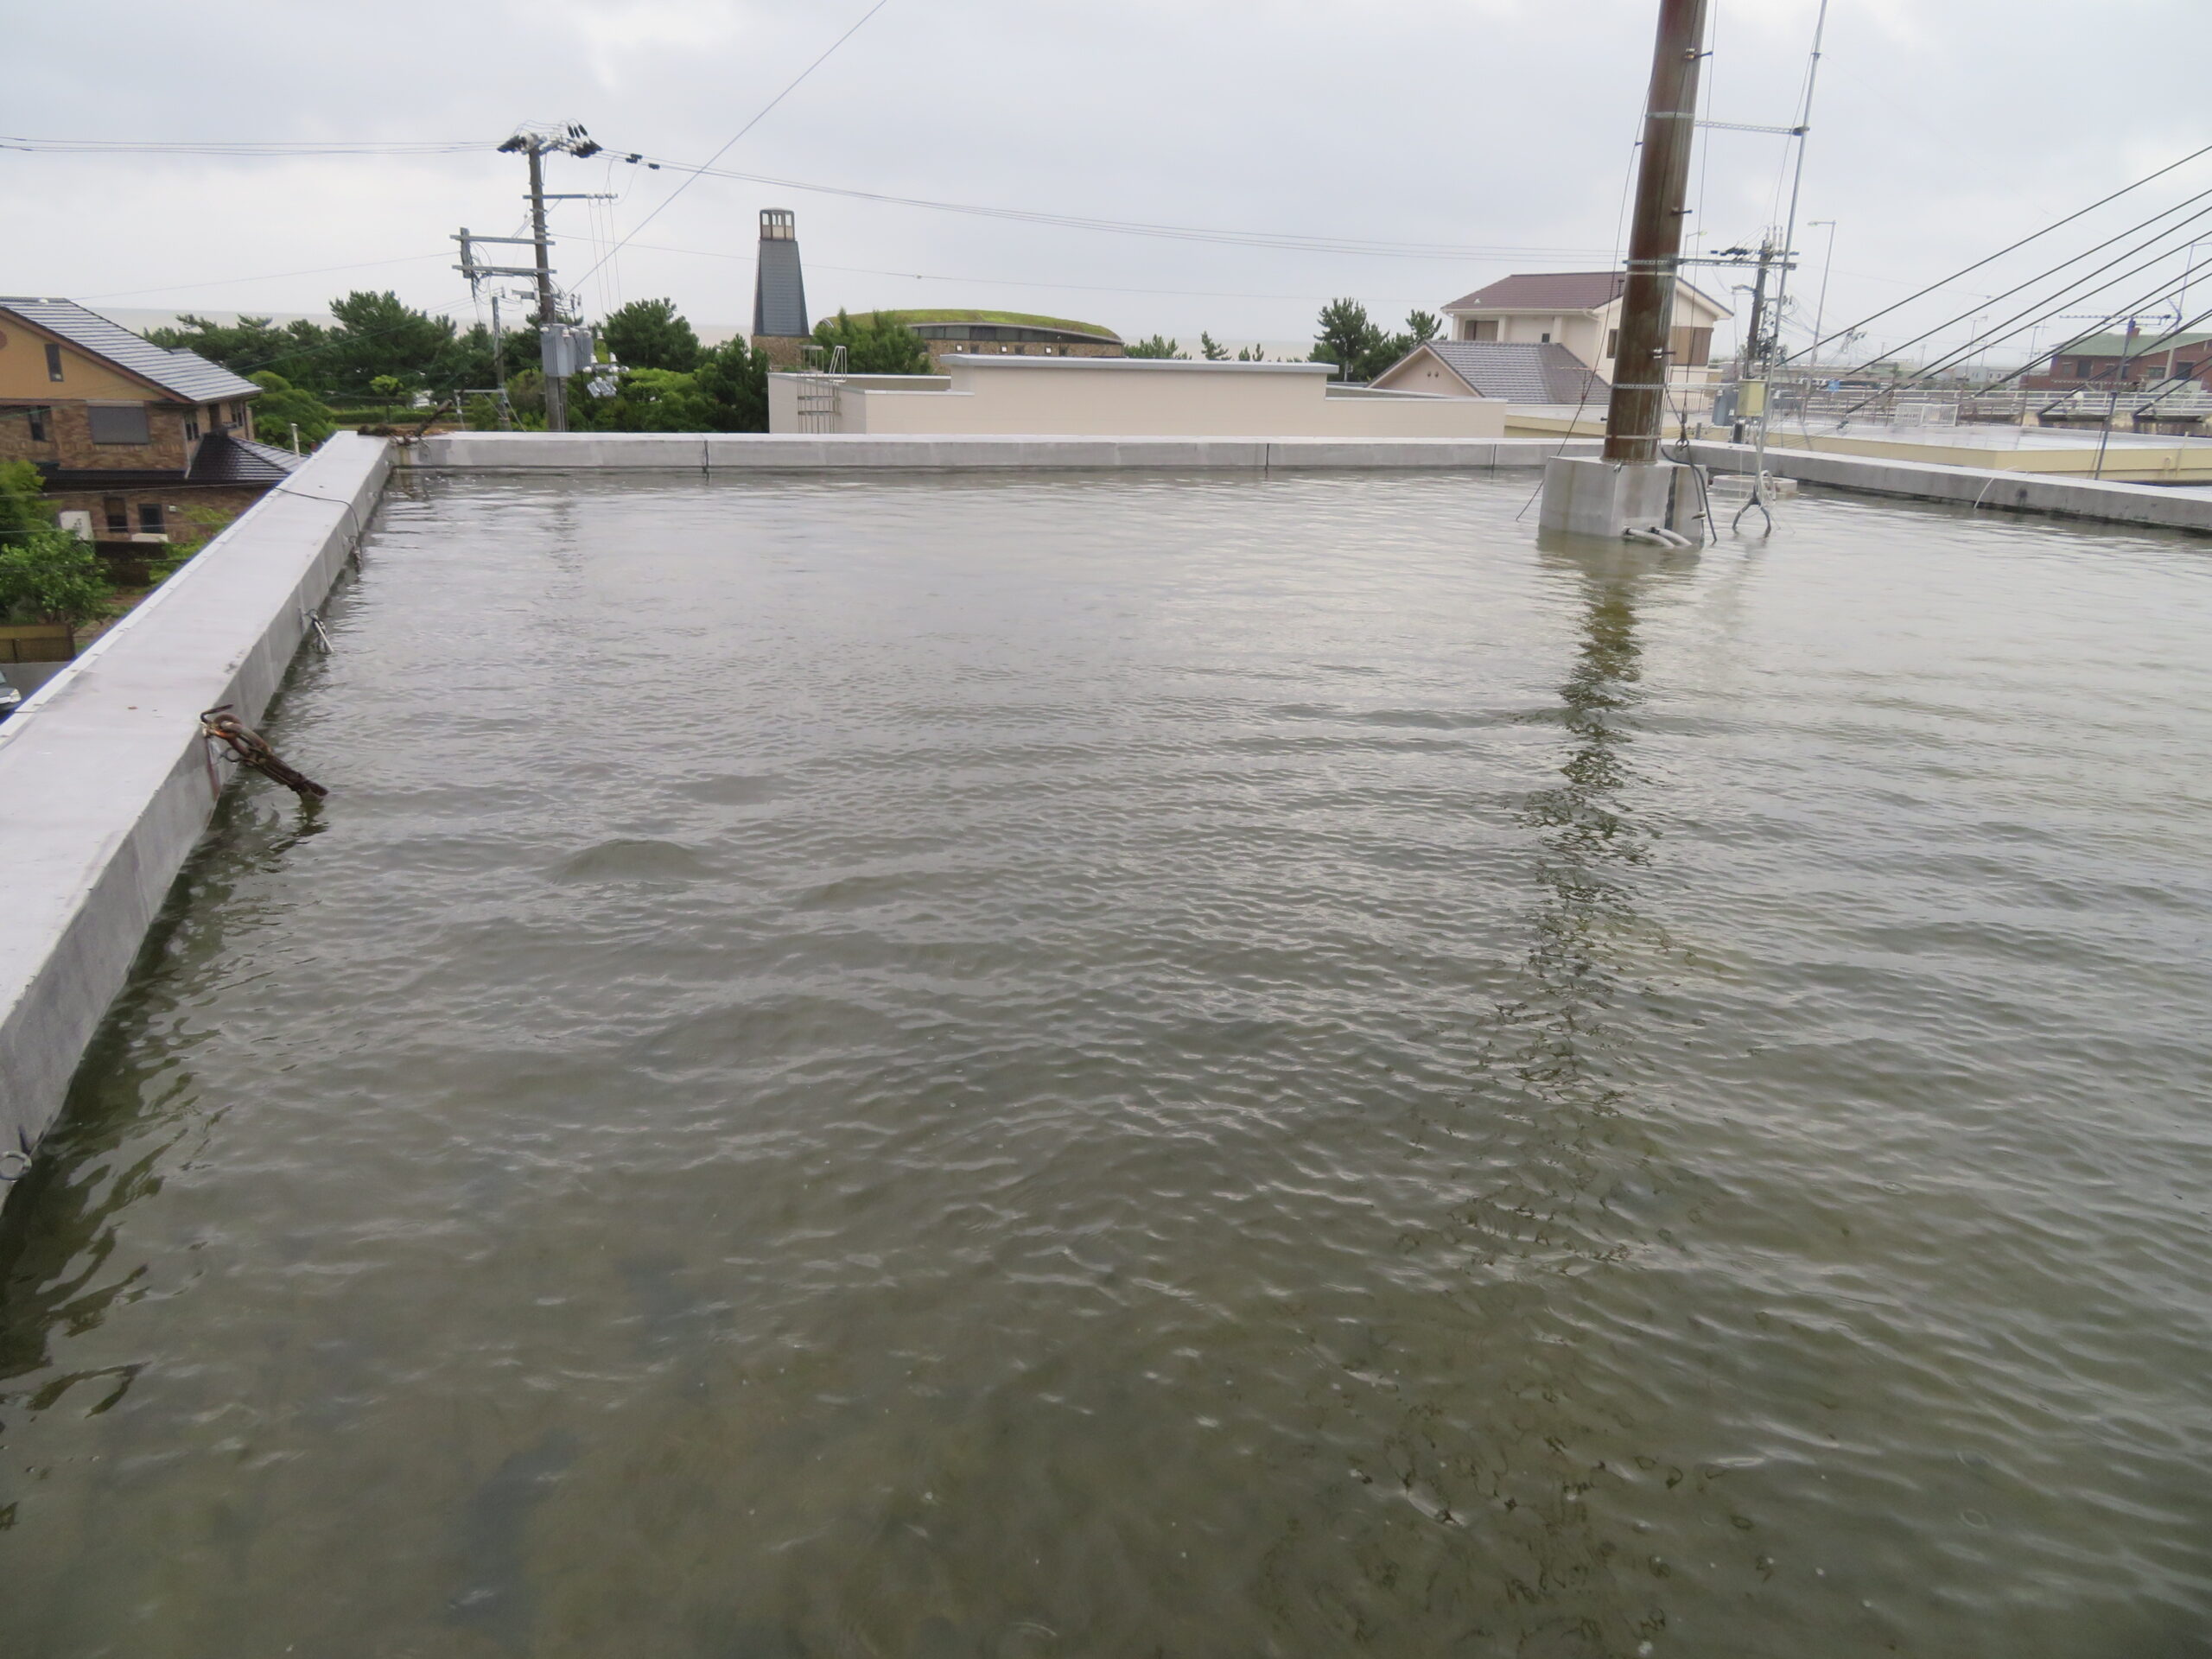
[{"x": 1710, "y": 530}]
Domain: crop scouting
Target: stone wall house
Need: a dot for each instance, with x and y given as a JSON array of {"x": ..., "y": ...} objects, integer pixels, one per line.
[{"x": 135, "y": 441}]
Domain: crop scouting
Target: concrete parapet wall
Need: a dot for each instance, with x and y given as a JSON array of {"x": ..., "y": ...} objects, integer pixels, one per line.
[
  {"x": 541, "y": 452},
  {"x": 104, "y": 779},
  {"x": 1988, "y": 488}
]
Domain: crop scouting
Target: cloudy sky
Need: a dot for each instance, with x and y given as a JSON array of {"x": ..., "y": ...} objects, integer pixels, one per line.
[{"x": 1502, "y": 128}]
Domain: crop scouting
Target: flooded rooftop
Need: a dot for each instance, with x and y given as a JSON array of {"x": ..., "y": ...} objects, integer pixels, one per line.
[{"x": 1106, "y": 1064}]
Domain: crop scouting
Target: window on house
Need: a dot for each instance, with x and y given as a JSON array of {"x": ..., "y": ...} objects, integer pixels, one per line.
[
  {"x": 1612, "y": 342},
  {"x": 150, "y": 517},
  {"x": 53, "y": 362},
  {"x": 39, "y": 418},
  {"x": 191, "y": 428},
  {"x": 119, "y": 423},
  {"x": 2080, "y": 368},
  {"x": 116, "y": 513},
  {"x": 1544, "y": 339},
  {"x": 1485, "y": 330}
]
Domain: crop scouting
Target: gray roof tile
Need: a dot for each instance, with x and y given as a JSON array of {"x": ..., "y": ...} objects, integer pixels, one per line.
[
  {"x": 222, "y": 458},
  {"x": 1523, "y": 374},
  {"x": 191, "y": 377},
  {"x": 1557, "y": 290}
]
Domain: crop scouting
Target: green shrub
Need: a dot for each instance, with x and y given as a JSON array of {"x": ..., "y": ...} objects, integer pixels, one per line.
[
  {"x": 282, "y": 405},
  {"x": 48, "y": 575},
  {"x": 875, "y": 343}
]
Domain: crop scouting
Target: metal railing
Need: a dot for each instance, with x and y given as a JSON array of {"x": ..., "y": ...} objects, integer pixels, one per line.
[
  {"x": 1814, "y": 402},
  {"x": 823, "y": 370}
]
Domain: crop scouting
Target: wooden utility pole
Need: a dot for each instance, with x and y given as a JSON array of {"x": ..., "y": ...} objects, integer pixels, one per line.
[
  {"x": 1637, "y": 415},
  {"x": 535, "y": 146},
  {"x": 557, "y": 389}
]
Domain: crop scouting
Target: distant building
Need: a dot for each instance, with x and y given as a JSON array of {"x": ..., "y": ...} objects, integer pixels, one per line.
[
  {"x": 1012, "y": 334},
  {"x": 1580, "y": 311},
  {"x": 1544, "y": 372},
  {"x": 1033, "y": 395},
  {"x": 2104, "y": 362},
  {"x": 130, "y": 438},
  {"x": 779, "y": 322}
]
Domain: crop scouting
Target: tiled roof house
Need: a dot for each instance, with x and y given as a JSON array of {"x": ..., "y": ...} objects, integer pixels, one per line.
[
  {"x": 1576, "y": 311},
  {"x": 130, "y": 436}
]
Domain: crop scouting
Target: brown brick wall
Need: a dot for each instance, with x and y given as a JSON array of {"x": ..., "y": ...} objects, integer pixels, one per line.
[
  {"x": 69, "y": 440},
  {"x": 188, "y": 511}
]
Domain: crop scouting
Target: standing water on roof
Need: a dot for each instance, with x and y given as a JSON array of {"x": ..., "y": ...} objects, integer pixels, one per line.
[{"x": 1022, "y": 1067}]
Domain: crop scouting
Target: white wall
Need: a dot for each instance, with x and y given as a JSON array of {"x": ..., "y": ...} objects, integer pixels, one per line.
[{"x": 1142, "y": 397}]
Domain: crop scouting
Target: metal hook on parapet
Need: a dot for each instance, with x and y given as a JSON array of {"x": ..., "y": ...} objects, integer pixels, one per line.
[
  {"x": 16, "y": 1162},
  {"x": 249, "y": 748}
]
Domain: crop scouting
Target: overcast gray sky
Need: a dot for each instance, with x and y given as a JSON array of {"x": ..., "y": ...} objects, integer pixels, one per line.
[{"x": 1943, "y": 129}]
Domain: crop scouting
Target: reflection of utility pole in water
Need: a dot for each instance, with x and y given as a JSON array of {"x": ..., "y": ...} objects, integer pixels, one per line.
[
  {"x": 1563, "y": 1454},
  {"x": 1592, "y": 844}
]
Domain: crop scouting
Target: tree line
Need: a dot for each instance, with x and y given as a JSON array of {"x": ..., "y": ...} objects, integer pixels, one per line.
[
  {"x": 1360, "y": 347},
  {"x": 378, "y": 352}
]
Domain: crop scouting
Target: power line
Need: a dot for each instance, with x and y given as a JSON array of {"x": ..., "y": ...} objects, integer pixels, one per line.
[
  {"x": 272, "y": 148},
  {"x": 2014, "y": 247},
  {"x": 1289, "y": 241},
  {"x": 1003, "y": 281},
  {"x": 2071, "y": 291},
  {"x": 2160, "y": 290},
  {"x": 790, "y": 86},
  {"x": 2134, "y": 307}
]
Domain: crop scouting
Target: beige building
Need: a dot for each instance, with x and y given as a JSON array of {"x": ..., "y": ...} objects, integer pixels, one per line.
[
  {"x": 1580, "y": 311},
  {"x": 1120, "y": 396}
]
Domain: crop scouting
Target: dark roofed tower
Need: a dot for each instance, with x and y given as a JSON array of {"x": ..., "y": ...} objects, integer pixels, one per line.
[{"x": 778, "y": 288}]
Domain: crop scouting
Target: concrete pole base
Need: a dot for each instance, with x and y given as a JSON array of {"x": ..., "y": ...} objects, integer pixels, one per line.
[{"x": 1609, "y": 499}]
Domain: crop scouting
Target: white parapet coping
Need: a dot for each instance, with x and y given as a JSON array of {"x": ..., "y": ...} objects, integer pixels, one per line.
[
  {"x": 543, "y": 452},
  {"x": 1987, "y": 488},
  {"x": 104, "y": 782}
]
